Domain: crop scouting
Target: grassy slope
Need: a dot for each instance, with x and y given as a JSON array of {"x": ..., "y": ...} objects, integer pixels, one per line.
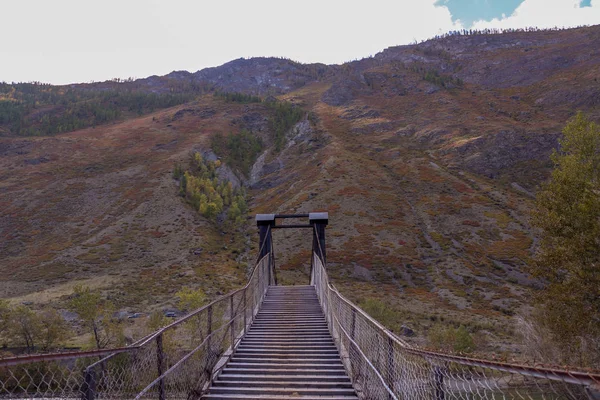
[
  {"x": 408, "y": 224},
  {"x": 411, "y": 222},
  {"x": 100, "y": 206}
]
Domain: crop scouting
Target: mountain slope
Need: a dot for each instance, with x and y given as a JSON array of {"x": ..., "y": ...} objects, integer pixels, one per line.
[{"x": 426, "y": 156}]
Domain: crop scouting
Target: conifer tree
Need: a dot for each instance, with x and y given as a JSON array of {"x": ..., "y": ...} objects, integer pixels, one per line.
[{"x": 568, "y": 261}]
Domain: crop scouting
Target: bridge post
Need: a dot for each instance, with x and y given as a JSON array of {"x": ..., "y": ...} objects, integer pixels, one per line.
[
  {"x": 89, "y": 384},
  {"x": 353, "y": 331},
  {"x": 390, "y": 366},
  {"x": 209, "y": 316},
  {"x": 160, "y": 365},
  {"x": 232, "y": 322},
  {"x": 265, "y": 223},
  {"x": 319, "y": 221},
  {"x": 245, "y": 313},
  {"x": 438, "y": 377}
]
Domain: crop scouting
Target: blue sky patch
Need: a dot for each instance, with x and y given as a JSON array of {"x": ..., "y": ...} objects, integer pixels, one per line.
[
  {"x": 586, "y": 3},
  {"x": 469, "y": 11}
]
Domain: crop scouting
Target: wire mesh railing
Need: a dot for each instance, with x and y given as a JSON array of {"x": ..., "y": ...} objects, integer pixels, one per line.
[
  {"x": 180, "y": 360},
  {"x": 383, "y": 366},
  {"x": 176, "y": 362}
]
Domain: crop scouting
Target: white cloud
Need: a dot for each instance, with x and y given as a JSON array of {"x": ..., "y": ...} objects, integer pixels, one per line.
[
  {"x": 547, "y": 14},
  {"x": 63, "y": 41}
]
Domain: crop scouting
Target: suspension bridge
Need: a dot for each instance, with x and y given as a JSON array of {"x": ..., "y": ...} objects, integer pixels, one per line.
[{"x": 267, "y": 341}]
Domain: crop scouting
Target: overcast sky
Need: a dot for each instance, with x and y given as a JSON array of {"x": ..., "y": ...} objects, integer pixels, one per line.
[{"x": 64, "y": 41}]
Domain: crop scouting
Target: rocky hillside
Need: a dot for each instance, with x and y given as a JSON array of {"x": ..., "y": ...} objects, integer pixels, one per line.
[{"x": 426, "y": 157}]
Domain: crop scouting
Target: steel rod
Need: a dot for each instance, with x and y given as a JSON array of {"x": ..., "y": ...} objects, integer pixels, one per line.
[
  {"x": 292, "y": 226},
  {"x": 291, "y": 215}
]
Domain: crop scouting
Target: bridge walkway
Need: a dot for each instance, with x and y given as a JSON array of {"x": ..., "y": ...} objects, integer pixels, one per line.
[
  {"x": 288, "y": 353},
  {"x": 264, "y": 341}
]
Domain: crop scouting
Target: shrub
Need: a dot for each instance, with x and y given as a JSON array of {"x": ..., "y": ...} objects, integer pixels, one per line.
[
  {"x": 236, "y": 97},
  {"x": 382, "y": 313},
  {"x": 238, "y": 150},
  {"x": 451, "y": 339},
  {"x": 285, "y": 116}
]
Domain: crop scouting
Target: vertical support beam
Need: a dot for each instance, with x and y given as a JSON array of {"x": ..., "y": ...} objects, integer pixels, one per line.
[
  {"x": 439, "y": 383},
  {"x": 312, "y": 269},
  {"x": 319, "y": 222},
  {"x": 89, "y": 384},
  {"x": 160, "y": 366},
  {"x": 232, "y": 323},
  {"x": 273, "y": 280},
  {"x": 256, "y": 296},
  {"x": 260, "y": 284},
  {"x": 390, "y": 366},
  {"x": 265, "y": 223},
  {"x": 209, "y": 316},
  {"x": 245, "y": 312},
  {"x": 353, "y": 331}
]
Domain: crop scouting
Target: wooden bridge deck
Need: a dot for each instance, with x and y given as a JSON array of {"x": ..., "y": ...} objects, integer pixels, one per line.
[{"x": 288, "y": 353}]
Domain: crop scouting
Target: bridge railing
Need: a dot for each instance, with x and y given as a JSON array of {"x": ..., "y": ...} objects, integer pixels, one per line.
[
  {"x": 383, "y": 366},
  {"x": 177, "y": 361}
]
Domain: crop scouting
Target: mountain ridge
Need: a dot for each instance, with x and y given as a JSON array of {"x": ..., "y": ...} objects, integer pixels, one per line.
[{"x": 426, "y": 157}]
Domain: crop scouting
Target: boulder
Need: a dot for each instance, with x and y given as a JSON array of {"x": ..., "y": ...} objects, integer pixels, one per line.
[{"x": 406, "y": 331}]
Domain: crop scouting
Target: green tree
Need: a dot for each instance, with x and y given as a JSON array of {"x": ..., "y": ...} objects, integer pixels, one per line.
[
  {"x": 190, "y": 299},
  {"x": 240, "y": 201},
  {"x": 182, "y": 185},
  {"x": 211, "y": 210},
  {"x": 463, "y": 341},
  {"x": 227, "y": 193},
  {"x": 156, "y": 321},
  {"x": 568, "y": 261},
  {"x": 24, "y": 326},
  {"x": 234, "y": 212},
  {"x": 177, "y": 171},
  {"x": 239, "y": 150},
  {"x": 53, "y": 330},
  {"x": 218, "y": 203},
  {"x": 211, "y": 196},
  {"x": 97, "y": 315},
  {"x": 285, "y": 116}
]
